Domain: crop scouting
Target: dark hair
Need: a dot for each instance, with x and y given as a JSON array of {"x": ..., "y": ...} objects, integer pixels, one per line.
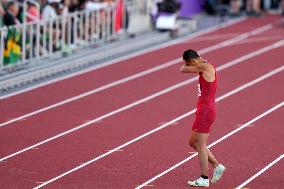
[
  {"x": 11, "y": 3},
  {"x": 190, "y": 54}
]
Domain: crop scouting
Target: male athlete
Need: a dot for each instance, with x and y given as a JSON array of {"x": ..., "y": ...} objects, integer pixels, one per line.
[{"x": 205, "y": 115}]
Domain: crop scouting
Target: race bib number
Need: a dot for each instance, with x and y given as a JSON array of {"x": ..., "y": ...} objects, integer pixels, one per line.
[{"x": 198, "y": 90}]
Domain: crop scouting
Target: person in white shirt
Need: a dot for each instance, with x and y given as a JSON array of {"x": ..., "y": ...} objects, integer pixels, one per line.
[{"x": 49, "y": 11}]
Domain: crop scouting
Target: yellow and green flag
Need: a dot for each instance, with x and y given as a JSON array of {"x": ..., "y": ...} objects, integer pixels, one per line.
[{"x": 12, "y": 51}]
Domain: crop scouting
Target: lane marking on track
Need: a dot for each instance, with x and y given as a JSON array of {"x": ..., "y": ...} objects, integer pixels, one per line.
[
  {"x": 211, "y": 37},
  {"x": 132, "y": 55},
  {"x": 261, "y": 39},
  {"x": 260, "y": 172},
  {"x": 162, "y": 123},
  {"x": 116, "y": 150},
  {"x": 140, "y": 74},
  {"x": 242, "y": 87},
  {"x": 211, "y": 145},
  {"x": 86, "y": 121},
  {"x": 240, "y": 124},
  {"x": 167, "y": 90}
]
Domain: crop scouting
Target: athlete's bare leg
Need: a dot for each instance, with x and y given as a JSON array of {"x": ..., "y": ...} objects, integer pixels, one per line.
[
  {"x": 201, "y": 139},
  {"x": 212, "y": 159},
  {"x": 198, "y": 141}
]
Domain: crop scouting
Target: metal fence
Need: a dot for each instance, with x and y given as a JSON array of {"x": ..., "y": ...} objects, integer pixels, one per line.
[{"x": 31, "y": 42}]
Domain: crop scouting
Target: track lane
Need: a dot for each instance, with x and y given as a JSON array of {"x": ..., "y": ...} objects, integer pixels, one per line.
[
  {"x": 32, "y": 130},
  {"x": 116, "y": 130},
  {"x": 270, "y": 178},
  {"x": 137, "y": 162},
  {"x": 64, "y": 89},
  {"x": 244, "y": 153}
]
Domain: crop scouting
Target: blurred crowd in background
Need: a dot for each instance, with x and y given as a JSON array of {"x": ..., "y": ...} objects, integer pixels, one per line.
[
  {"x": 11, "y": 11},
  {"x": 249, "y": 7},
  {"x": 60, "y": 25},
  {"x": 54, "y": 30}
]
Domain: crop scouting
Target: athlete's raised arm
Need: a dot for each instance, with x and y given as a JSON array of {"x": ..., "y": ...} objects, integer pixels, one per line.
[
  {"x": 194, "y": 63},
  {"x": 195, "y": 68}
]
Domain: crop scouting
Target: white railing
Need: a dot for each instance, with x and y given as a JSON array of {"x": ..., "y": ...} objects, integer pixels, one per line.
[{"x": 31, "y": 42}]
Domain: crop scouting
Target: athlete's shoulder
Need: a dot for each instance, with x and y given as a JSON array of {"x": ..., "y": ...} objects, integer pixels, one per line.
[{"x": 208, "y": 67}]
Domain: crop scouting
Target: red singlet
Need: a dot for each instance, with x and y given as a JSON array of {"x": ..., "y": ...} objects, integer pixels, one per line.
[{"x": 206, "y": 111}]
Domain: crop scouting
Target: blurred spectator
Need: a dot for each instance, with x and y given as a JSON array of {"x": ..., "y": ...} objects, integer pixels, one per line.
[
  {"x": 12, "y": 51},
  {"x": 2, "y": 13},
  {"x": 220, "y": 7},
  {"x": 253, "y": 7},
  {"x": 154, "y": 9},
  {"x": 10, "y": 17},
  {"x": 266, "y": 4},
  {"x": 49, "y": 11},
  {"x": 210, "y": 6},
  {"x": 272, "y": 4},
  {"x": 169, "y": 6},
  {"x": 63, "y": 7},
  {"x": 235, "y": 7},
  {"x": 282, "y": 7},
  {"x": 167, "y": 17},
  {"x": 74, "y": 6},
  {"x": 91, "y": 5},
  {"x": 33, "y": 13}
]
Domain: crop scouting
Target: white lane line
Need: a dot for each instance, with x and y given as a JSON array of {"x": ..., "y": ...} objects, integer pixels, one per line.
[
  {"x": 119, "y": 60},
  {"x": 149, "y": 185},
  {"x": 161, "y": 127},
  {"x": 260, "y": 172},
  {"x": 167, "y": 90},
  {"x": 237, "y": 39},
  {"x": 138, "y": 75},
  {"x": 212, "y": 144}
]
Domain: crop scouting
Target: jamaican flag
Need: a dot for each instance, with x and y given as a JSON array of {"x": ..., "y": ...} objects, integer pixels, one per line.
[{"x": 12, "y": 51}]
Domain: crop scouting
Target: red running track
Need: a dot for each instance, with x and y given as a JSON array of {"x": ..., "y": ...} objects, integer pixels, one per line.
[
  {"x": 272, "y": 177},
  {"x": 62, "y": 90},
  {"x": 32, "y": 130},
  {"x": 65, "y": 153},
  {"x": 137, "y": 162},
  {"x": 243, "y": 153}
]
